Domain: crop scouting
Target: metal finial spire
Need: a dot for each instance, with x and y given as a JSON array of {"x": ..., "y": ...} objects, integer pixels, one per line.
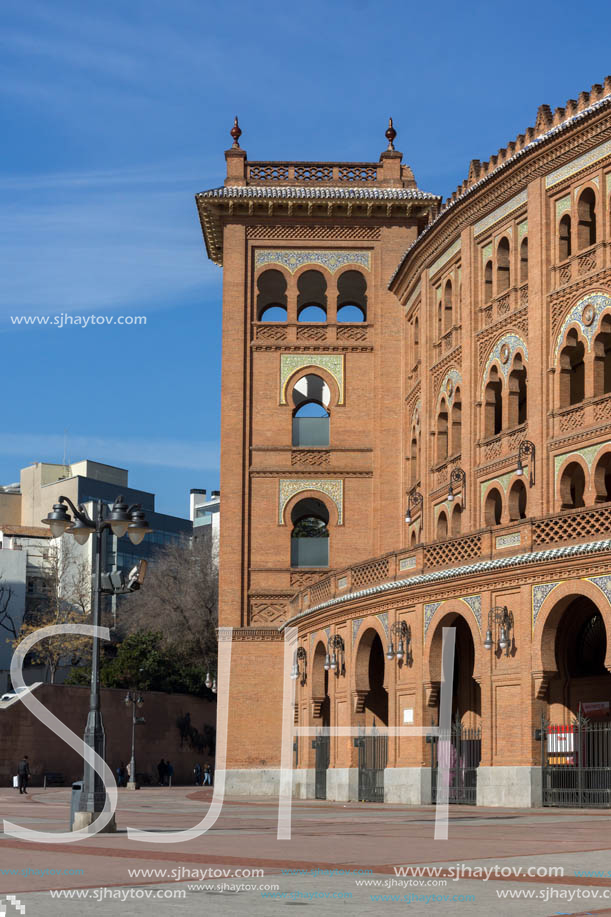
[
  {"x": 390, "y": 135},
  {"x": 235, "y": 133}
]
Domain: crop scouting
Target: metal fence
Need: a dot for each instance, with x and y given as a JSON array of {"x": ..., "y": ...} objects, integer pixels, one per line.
[
  {"x": 460, "y": 750},
  {"x": 322, "y": 746},
  {"x": 373, "y": 756},
  {"x": 576, "y": 763}
]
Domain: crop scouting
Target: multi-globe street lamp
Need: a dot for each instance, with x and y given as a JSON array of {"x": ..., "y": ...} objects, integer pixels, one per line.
[{"x": 121, "y": 519}]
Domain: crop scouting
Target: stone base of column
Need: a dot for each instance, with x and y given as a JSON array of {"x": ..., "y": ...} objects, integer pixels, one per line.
[
  {"x": 304, "y": 783},
  {"x": 84, "y": 819},
  {"x": 264, "y": 781},
  {"x": 132, "y": 785},
  {"x": 343, "y": 784},
  {"x": 408, "y": 785},
  {"x": 512, "y": 787}
]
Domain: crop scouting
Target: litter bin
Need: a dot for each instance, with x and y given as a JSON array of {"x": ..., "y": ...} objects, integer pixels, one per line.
[{"x": 77, "y": 788}]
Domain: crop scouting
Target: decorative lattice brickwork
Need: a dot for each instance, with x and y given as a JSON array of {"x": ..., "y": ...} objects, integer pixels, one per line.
[
  {"x": 360, "y": 233},
  {"x": 602, "y": 411},
  {"x": 572, "y": 527},
  {"x": 351, "y": 333},
  {"x": 587, "y": 263},
  {"x": 367, "y": 574},
  {"x": 452, "y": 552},
  {"x": 572, "y": 420},
  {"x": 270, "y": 333},
  {"x": 356, "y": 173},
  {"x": 313, "y": 173},
  {"x": 269, "y": 173},
  {"x": 313, "y": 457},
  {"x": 311, "y": 334},
  {"x": 299, "y": 580},
  {"x": 320, "y": 592}
]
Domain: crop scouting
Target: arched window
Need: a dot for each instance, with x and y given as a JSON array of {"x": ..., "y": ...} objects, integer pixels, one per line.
[
  {"x": 351, "y": 297},
  {"x": 493, "y": 508},
  {"x": 602, "y": 479},
  {"x": 502, "y": 266},
  {"x": 517, "y": 393},
  {"x": 586, "y": 215},
  {"x": 311, "y": 398},
  {"x": 439, "y": 319},
  {"x": 564, "y": 238},
  {"x": 488, "y": 282},
  {"x": 456, "y": 520},
  {"x": 572, "y": 371},
  {"x": 524, "y": 260},
  {"x": 312, "y": 297},
  {"x": 271, "y": 297},
  {"x": 493, "y": 405},
  {"x": 455, "y": 444},
  {"x": 602, "y": 358},
  {"x": 572, "y": 486},
  {"x": 442, "y": 432},
  {"x": 414, "y": 454},
  {"x": 310, "y": 535},
  {"x": 447, "y": 306},
  {"x": 517, "y": 501},
  {"x": 442, "y": 526}
]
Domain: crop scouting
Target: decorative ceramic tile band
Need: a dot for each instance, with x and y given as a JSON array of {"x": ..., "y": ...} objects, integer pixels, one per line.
[
  {"x": 503, "y": 353},
  {"x": 487, "y": 252},
  {"x": 293, "y": 259},
  {"x": 522, "y": 229},
  {"x": 503, "y": 479},
  {"x": 451, "y": 380},
  {"x": 501, "y": 212},
  {"x": 445, "y": 257},
  {"x": 588, "y": 159},
  {"x": 383, "y": 619},
  {"x": 407, "y": 563},
  {"x": 603, "y": 583},
  {"x": 540, "y": 592},
  {"x": 508, "y": 541},
  {"x": 333, "y": 363},
  {"x": 342, "y": 582},
  {"x": 588, "y": 453},
  {"x": 473, "y": 601},
  {"x": 291, "y": 486},
  {"x": 356, "y": 623},
  {"x": 562, "y": 205},
  {"x": 586, "y": 314},
  {"x": 593, "y": 181},
  {"x": 429, "y": 611}
]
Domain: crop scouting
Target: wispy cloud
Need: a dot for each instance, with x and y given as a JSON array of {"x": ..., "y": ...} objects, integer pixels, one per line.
[{"x": 160, "y": 453}]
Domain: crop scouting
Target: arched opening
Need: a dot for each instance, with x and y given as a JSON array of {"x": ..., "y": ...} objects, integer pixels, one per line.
[
  {"x": 311, "y": 297},
  {"x": 369, "y": 678},
  {"x": 455, "y": 446},
  {"x": 311, "y": 396},
  {"x": 442, "y": 526},
  {"x": 271, "y": 297},
  {"x": 488, "y": 282},
  {"x": 310, "y": 535},
  {"x": 586, "y": 215},
  {"x": 320, "y": 686},
  {"x": 517, "y": 393},
  {"x": 351, "y": 297},
  {"x": 493, "y": 508},
  {"x": 580, "y": 647},
  {"x": 602, "y": 358},
  {"x": 502, "y": 266},
  {"x": 456, "y": 520},
  {"x": 524, "y": 260},
  {"x": 439, "y": 319},
  {"x": 447, "y": 306},
  {"x": 414, "y": 539},
  {"x": 517, "y": 501},
  {"x": 572, "y": 370},
  {"x": 493, "y": 404},
  {"x": 416, "y": 335},
  {"x": 564, "y": 238},
  {"x": 602, "y": 479},
  {"x": 466, "y": 696},
  {"x": 442, "y": 432},
  {"x": 572, "y": 486},
  {"x": 413, "y": 459}
]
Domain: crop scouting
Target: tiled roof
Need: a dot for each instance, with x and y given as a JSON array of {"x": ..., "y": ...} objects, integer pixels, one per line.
[
  {"x": 548, "y": 135},
  {"x": 322, "y": 193},
  {"x": 482, "y": 566}
]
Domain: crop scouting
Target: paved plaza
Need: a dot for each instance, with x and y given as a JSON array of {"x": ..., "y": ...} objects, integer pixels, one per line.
[{"x": 342, "y": 859}]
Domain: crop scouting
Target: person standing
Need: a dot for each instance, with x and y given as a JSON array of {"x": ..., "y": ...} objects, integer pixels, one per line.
[
  {"x": 197, "y": 774},
  {"x": 207, "y": 775},
  {"x": 23, "y": 772},
  {"x": 169, "y": 769},
  {"x": 161, "y": 772}
]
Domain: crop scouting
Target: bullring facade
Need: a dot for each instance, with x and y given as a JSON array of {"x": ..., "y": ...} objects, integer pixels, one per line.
[{"x": 416, "y": 433}]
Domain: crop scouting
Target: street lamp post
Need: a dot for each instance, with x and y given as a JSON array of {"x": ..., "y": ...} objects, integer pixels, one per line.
[
  {"x": 134, "y": 698},
  {"x": 121, "y": 519}
]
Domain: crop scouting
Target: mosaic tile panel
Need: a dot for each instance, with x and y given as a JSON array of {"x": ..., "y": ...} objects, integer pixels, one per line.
[
  {"x": 290, "y": 363},
  {"x": 603, "y": 583},
  {"x": 356, "y": 623},
  {"x": 501, "y": 212},
  {"x": 506, "y": 346},
  {"x": 486, "y": 252},
  {"x": 588, "y": 453},
  {"x": 445, "y": 257},
  {"x": 599, "y": 302},
  {"x": 522, "y": 229},
  {"x": 571, "y": 168},
  {"x": 342, "y": 582},
  {"x": 539, "y": 594},
  {"x": 506, "y": 232},
  {"x": 293, "y": 259},
  {"x": 407, "y": 563},
  {"x": 383, "y": 619},
  {"x": 475, "y": 604},
  {"x": 448, "y": 386},
  {"x": 429, "y": 611},
  {"x": 291, "y": 486},
  {"x": 594, "y": 181},
  {"x": 503, "y": 479},
  {"x": 563, "y": 205},
  {"x": 508, "y": 541}
]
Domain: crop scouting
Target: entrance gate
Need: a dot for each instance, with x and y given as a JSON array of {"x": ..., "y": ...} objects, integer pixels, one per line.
[
  {"x": 459, "y": 749},
  {"x": 576, "y": 763},
  {"x": 321, "y": 744},
  {"x": 373, "y": 755}
]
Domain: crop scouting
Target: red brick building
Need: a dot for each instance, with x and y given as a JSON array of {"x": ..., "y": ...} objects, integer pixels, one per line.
[{"x": 416, "y": 433}]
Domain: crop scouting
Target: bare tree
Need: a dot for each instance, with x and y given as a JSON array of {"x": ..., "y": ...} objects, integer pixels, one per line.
[
  {"x": 7, "y": 621},
  {"x": 67, "y": 600},
  {"x": 179, "y": 597}
]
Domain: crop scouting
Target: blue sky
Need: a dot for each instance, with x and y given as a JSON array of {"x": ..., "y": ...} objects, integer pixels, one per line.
[{"x": 116, "y": 113}]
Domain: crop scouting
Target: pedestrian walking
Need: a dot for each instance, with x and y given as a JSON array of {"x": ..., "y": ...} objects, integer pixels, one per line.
[
  {"x": 197, "y": 774},
  {"x": 23, "y": 772},
  {"x": 207, "y": 775},
  {"x": 121, "y": 776},
  {"x": 161, "y": 771}
]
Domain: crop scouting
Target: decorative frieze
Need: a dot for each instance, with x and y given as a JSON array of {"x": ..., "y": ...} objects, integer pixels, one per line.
[
  {"x": 585, "y": 314},
  {"x": 333, "y": 488},
  {"x": 290, "y": 363},
  {"x": 501, "y": 212},
  {"x": 293, "y": 259},
  {"x": 581, "y": 162}
]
